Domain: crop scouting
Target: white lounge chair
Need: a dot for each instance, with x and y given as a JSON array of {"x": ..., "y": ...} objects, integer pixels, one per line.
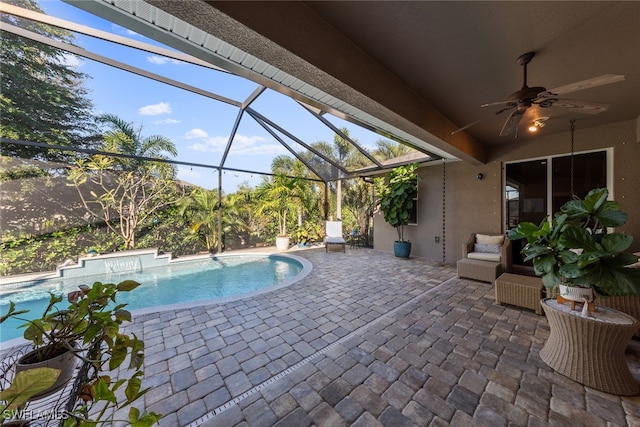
[{"x": 333, "y": 235}]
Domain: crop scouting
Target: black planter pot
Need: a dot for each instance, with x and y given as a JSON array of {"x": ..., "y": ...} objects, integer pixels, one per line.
[{"x": 402, "y": 249}]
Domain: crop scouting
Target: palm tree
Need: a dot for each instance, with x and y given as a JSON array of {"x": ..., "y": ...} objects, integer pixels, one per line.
[
  {"x": 280, "y": 196},
  {"x": 386, "y": 149},
  {"x": 307, "y": 193},
  {"x": 126, "y": 193},
  {"x": 201, "y": 206},
  {"x": 239, "y": 214},
  {"x": 339, "y": 151},
  {"x": 121, "y": 137}
]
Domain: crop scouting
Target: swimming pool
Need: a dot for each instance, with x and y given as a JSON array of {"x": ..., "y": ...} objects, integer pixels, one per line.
[{"x": 179, "y": 284}]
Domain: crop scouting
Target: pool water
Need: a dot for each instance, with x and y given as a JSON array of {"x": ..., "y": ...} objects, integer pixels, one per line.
[{"x": 179, "y": 282}]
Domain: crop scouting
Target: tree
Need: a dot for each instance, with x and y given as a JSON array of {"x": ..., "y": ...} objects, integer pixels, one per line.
[
  {"x": 396, "y": 194},
  {"x": 126, "y": 193},
  {"x": 279, "y": 196},
  {"x": 307, "y": 196},
  {"x": 201, "y": 206},
  {"x": 386, "y": 150},
  {"x": 342, "y": 149},
  {"x": 42, "y": 97},
  {"x": 239, "y": 216},
  {"x": 359, "y": 202}
]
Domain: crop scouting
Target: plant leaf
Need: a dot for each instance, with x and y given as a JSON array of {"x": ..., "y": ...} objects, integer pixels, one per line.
[
  {"x": 27, "y": 384},
  {"x": 127, "y": 285},
  {"x": 102, "y": 391}
]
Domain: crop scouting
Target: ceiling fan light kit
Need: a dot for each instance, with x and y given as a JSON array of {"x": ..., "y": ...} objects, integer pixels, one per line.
[
  {"x": 538, "y": 124},
  {"x": 521, "y": 100}
]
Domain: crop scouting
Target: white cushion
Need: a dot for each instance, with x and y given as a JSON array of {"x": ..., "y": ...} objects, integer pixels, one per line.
[
  {"x": 485, "y": 239},
  {"x": 484, "y": 256},
  {"x": 334, "y": 240}
]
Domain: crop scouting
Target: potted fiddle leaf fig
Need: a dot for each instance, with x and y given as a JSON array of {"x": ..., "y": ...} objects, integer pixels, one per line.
[
  {"x": 396, "y": 194},
  {"x": 575, "y": 249},
  {"x": 88, "y": 329}
]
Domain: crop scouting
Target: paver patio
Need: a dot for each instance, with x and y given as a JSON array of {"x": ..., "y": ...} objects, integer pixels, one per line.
[{"x": 366, "y": 340}]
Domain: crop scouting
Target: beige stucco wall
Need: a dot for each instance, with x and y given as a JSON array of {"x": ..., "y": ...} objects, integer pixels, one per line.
[{"x": 473, "y": 205}]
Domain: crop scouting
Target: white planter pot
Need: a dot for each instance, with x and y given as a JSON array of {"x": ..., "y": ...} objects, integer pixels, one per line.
[
  {"x": 282, "y": 243},
  {"x": 576, "y": 293}
]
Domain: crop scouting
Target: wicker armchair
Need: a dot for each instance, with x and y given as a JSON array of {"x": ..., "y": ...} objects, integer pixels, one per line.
[{"x": 484, "y": 266}]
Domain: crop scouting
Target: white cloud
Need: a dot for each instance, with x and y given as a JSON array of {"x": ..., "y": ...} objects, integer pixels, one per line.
[
  {"x": 259, "y": 150},
  {"x": 185, "y": 173},
  {"x": 121, "y": 30},
  {"x": 196, "y": 133},
  {"x": 242, "y": 144},
  {"x": 155, "y": 109},
  {"x": 70, "y": 60},
  {"x": 161, "y": 60},
  {"x": 209, "y": 144},
  {"x": 167, "y": 121}
]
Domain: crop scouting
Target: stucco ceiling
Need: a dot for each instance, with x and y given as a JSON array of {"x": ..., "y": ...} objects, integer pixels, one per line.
[{"x": 425, "y": 68}]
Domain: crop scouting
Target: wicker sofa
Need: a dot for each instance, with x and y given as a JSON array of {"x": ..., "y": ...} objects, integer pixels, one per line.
[{"x": 484, "y": 257}]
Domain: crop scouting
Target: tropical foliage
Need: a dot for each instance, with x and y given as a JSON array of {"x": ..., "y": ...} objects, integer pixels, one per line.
[
  {"x": 575, "y": 247},
  {"x": 131, "y": 199},
  {"x": 280, "y": 196},
  {"x": 201, "y": 206},
  {"x": 42, "y": 97},
  {"x": 396, "y": 195},
  {"x": 91, "y": 327},
  {"x": 124, "y": 192}
]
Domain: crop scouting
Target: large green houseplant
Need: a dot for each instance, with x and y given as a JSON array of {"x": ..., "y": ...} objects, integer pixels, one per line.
[
  {"x": 575, "y": 247},
  {"x": 396, "y": 194},
  {"x": 90, "y": 329}
]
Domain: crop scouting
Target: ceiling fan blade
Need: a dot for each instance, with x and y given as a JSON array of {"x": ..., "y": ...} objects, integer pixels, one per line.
[
  {"x": 480, "y": 119},
  {"x": 466, "y": 127},
  {"x": 512, "y": 123},
  {"x": 605, "y": 79},
  {"x": 585, "y": 107},
  {"x": 491, "y": 104}
]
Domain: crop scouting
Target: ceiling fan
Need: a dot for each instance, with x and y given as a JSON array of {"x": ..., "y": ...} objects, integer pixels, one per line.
[{"x": 521, "y": 100}]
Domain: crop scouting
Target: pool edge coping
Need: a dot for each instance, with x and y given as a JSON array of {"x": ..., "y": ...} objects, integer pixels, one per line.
[{"x": 307, "y": 267}]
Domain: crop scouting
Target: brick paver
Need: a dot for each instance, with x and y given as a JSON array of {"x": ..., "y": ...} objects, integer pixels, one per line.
[{"x": 366, "y": 339}]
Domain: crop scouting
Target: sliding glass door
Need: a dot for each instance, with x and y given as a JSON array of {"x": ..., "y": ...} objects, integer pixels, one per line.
[
  {"x": 590, "y": 171},
  {"x": 537, "y": 188}
]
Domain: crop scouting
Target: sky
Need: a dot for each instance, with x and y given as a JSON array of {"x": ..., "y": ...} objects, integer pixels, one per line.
[{"x": 197, "y": 125}]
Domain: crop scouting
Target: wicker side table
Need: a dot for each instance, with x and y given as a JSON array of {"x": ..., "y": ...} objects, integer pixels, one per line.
[
  {"x": 590, "y": 351},
  {"x": 521, "y": 291}
]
